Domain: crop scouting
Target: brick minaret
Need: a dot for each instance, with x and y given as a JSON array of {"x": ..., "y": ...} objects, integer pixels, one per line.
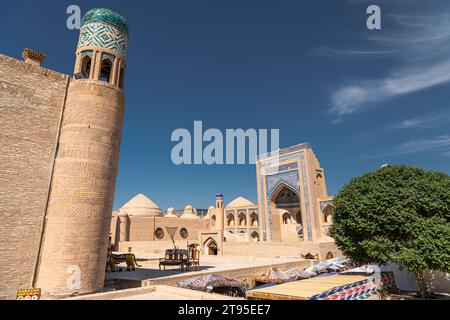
[{"x": 81, "y": 199}]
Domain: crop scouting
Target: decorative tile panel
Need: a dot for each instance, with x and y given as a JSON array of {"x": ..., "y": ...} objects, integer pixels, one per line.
[
  {"x": 278, "y": 169},
  {"x": 289, "y": 178},
  {"x": 103, "y": 35},
  {"x": 108, "y": 16}
]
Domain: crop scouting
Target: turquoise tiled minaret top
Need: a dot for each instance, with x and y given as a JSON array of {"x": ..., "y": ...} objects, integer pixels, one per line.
[
  {"x": 107, "y": 16},
  {"x": 104, "y": 28}
]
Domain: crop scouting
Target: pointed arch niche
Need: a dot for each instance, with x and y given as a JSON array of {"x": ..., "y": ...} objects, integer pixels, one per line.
[
  {"x": 210, "y": 247},
  {"x": 286, "y": 198}
]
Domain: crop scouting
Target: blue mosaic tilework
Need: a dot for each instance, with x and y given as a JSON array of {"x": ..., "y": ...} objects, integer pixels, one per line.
[
  {"x": 103, "y": 35},
  {"x": 285, "y": 167},
  {"x": 282, "y": 152},
  {"x": 291, "y": 179},
  {"x": 307, "y": 204},
  {"x": 106, "y": 16},
  {"x": 313, "y": 191}
]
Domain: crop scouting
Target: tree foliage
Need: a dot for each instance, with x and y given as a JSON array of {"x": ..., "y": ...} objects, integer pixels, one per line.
[{"x": 397, "y": 214}]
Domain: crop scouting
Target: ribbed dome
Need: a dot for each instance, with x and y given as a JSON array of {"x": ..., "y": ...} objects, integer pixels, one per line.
[
  {"x": 240, "y": 202},
  {"x": 106, "y": 16},
  {"x": 141, "y": 206}
]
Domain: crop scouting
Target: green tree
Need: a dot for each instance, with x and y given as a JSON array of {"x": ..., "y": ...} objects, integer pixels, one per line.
[{"x": 396, "y": 214}]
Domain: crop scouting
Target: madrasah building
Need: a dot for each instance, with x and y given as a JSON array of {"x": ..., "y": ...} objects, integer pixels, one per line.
[{"x": 293, "y": 209}]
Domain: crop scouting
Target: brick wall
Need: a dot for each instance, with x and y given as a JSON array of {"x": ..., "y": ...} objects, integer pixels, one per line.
[
  {"x": 273, "y": 249},
  {"x": 143, "y": 228},
  {"x": 253, "y": 249},
  {"x": 80, "y": 205},
  {"x": 31, "y": 100},
  {"x": 147, "y": 247}
]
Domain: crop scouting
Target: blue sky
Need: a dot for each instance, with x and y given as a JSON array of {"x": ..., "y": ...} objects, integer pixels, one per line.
[{"x": 309, "y": 68}]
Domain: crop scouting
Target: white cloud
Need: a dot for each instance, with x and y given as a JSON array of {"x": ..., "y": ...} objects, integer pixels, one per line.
[
  {"x": 420, "y": 43},
  {"x": 410, "y": 124},
  {"x": 326, "y": 51},
  {"x": 435, "y": 144},
  {"x": 355, "y": 97},
  {"x": 430, "y": 120}
]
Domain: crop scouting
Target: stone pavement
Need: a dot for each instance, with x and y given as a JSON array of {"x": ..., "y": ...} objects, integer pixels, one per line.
[{"x": 229, "y": 266}]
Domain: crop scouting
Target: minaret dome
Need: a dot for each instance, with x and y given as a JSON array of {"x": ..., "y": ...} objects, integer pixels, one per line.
[{"x": 102, "y": 48}]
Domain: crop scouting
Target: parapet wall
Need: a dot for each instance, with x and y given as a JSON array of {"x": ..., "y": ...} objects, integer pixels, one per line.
[{"x": 154, "y": 293}]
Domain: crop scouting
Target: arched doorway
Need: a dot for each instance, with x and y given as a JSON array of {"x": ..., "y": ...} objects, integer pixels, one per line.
[
  {"x": 285, "y": 198},
  {"x": 287, "y": 201},
  {"x": 210, "y": 247},
  {"x": 287, "y": 218}
]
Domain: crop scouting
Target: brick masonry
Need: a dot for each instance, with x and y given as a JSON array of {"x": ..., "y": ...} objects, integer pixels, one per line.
[
  {"x": 65, "y": 134},
  {"x": 80, "y": 205},
  {"x": 31, "y": 102},
  {"x": 249, "y": 249},
  {"x": 60, "y": 143}
]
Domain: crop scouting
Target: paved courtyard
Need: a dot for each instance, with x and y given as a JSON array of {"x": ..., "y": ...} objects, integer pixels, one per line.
[{"x": 208, "y": 264}]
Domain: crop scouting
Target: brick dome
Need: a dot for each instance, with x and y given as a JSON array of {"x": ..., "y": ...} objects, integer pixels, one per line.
[{"x": 141, "y": 206}]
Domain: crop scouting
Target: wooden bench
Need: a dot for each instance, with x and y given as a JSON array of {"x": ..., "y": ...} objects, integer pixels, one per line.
[
  {"x": 182, "y": 258},
  {"x": 172, "y": 258}
]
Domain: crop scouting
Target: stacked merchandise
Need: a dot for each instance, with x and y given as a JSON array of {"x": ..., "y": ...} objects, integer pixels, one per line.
[
  {"x": 214, "y": 283},
  {"x": 329, "y": 267},
  {"x": 360, "y": 290}
]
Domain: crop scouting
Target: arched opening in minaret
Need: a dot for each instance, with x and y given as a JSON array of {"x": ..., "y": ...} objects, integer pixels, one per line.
[
  {"x": 86, "y": 64},
  {"x": 106, "y": 68},
  {"x": 122, "y": 77}
]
